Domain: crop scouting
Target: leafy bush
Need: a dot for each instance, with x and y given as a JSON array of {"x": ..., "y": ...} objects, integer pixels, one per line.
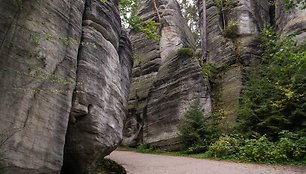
[
  {"x": 226, "y": 146},
  {"x": 209, "y": 70},
  {"x": 185, "y": 52},
  {"x": 145, "y": 148},
  {"x": 274, "y": 98},
  {"x": 230, "y": 30},
  {"x": 289, "y": 148},
  {"x": 258, "y": 150}
]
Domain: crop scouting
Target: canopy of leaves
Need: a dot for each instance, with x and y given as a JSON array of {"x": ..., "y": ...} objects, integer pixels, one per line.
[
  {"x": 289, "y": 4},
  {"x": 274, "y": 98},
  {"x": 128, "y": 11}
]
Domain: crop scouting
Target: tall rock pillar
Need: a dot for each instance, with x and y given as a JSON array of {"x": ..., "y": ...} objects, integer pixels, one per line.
[{"x": 165, "y": 83}]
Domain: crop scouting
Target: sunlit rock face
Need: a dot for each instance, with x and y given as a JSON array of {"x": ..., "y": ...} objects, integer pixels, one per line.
[
  {"x": 164, "y": 83},
  {"x": 61, "y": 61}
]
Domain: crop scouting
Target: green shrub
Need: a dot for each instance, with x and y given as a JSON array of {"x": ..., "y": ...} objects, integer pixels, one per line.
[
  {"x": 226, "y": 146},
  {"x": 274, "y": 97},
  {"x": 289, "y": 148},
  {"x": 144, "y": 148},
  {"x": 185, "y": 52},
  {"x": 196, "y": 131},
  {"x": 209, "y": 70},
  {"x": 230, "y": 30},
  {"x": 258, "y": 150}
]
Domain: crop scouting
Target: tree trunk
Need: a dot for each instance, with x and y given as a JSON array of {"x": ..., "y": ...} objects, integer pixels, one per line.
[
  {"x": 156, "y": 9},
  {"x": 202, "y": 14}
]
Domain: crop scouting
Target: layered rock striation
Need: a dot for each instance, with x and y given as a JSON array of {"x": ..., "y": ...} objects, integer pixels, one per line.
[
  {"x": 98, "y": 106},
  {"x": 164, "y": 82},
  {"x": 290, "y": 21},
  {"x": 61, "y": 61},
  {"x": 233, "y": 44}
]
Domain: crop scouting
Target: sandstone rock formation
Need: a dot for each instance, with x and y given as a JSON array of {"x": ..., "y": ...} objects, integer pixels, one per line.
[
  {"x": 50, "y": 70},
  {"x": 292, "y": 21},
  {"x": 232, "y": 45},
  {"x": 98, "y": 111},
  {"x": 164, "y": 83}
]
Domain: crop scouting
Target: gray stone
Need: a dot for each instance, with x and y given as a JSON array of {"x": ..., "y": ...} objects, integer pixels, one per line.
[
  {"x": 50, "y": 70},
  {"x": 290, "y": 22},
  {"x": 231, "y": 54},
  {"x": 98, "y": 111},
  {"x": 38, "y": 58},
  {"x": 164, "y": 83}
]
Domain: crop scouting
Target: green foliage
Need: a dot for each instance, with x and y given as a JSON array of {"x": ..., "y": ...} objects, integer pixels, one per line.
[
  {"x": 230, "y": 30},
  {"x": 258, "y": 150},
  {"x": 195, "y": 131},
  {"x": 288, "y": 149},
  {"x": 225, "y": 5},
  {"x": 289, "y": 4},
  {"x": 190, "y": 14},
  {"x": 274, "y": 98},
  {"x": 128, "y": 10},
  {"x": 185, "y": 52},
  {"x": 145, "y": 148},
  {"x": 225, "y": 147},
  {"x": 209, "y": 70}
]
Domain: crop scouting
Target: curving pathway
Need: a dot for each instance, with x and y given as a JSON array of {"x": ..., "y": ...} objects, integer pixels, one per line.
[{"x": 138, "y": 163}]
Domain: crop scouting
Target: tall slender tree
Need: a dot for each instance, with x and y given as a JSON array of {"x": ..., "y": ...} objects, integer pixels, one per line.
[{"x": 203, "y": 31}]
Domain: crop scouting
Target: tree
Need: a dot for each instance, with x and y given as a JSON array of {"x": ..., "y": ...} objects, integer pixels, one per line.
[
  {"x": 196, "y": 130},
  {"x": 274, "y": 99},
  {"x": 190, "y": 14},
  {"x": 203, "y": 31},
  {"x": 130, "y": 19}
]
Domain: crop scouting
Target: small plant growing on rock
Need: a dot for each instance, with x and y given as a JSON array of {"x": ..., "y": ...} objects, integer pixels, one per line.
[
  {"x": 230, "y": 30},
  {"x": 185, "y": 52}
]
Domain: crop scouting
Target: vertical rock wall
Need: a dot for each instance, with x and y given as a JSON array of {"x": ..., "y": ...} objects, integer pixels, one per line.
[
  {"x": 231, "y": 49},
  {"x": 61, "y": 58},
  {"x": 98, "y": 110},
  {"x": 38, "y": 56},
  {"x": 289, "y": 22},
  {"x": 164, "y": 84}
]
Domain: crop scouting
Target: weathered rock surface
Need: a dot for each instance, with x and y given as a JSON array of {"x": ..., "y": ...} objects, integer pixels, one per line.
[
  {"x": 164, "y": 83},
  {"x": 98, "y": 111},
  {"x": 38, "y": 57},
  {"x": 231, "y": 52},
  {"x": 44, "y": 57},
  {"x": 291, "y": 22}
]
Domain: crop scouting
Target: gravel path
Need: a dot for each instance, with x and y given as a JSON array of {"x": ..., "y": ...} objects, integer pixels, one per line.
[{"x": 138, "y": 163}]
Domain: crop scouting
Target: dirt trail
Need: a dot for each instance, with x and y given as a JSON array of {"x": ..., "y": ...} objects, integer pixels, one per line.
[{"x": 138, "y": 163}]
